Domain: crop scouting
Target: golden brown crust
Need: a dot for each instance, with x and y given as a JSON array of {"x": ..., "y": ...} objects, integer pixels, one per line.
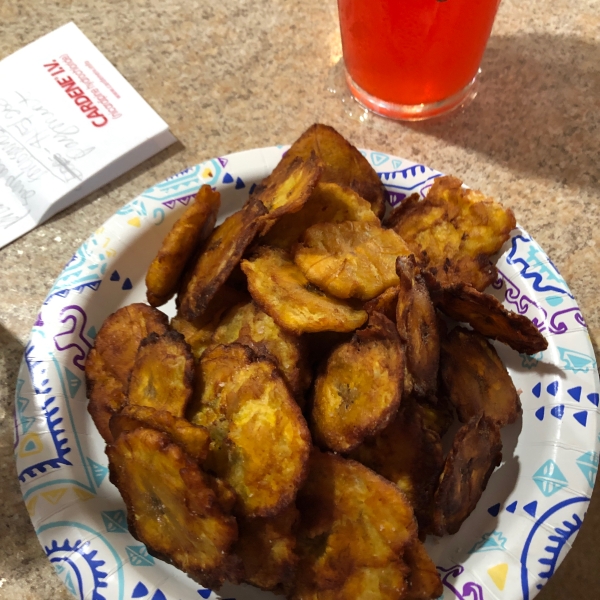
[
  {"x": 287, "y": 189},
  {"x": 454, "y": 231},
  {"x": 342, "y": 164},
  {"x": 475, "y": 380},
  {"x": 162, "y": 374},
  {"x": 267, "y": 549},
  {"x": 220, "y": 254},
  {"x": 359, "y": 391},
  {"x": 486, "y": 315},
  {"x": 247, "y": 324},
  {"x": 194, "y": 440},
  {"x": 353, "y": 259},
  {"x": 424, "y": 582},
  {"x": 109, "y": 363},
  {"x": 353, "y": 531},
  {"x": 171, "y": 506},
  {"x": 260, "y": 440},
  {"x": 409, "y": 455},
  {"x": 385, "y": 303},
  {"x": 417, "y": 325},
  {"x": 186, "y": 235},
  {"x": 329, "y": 202},
  {"x": 475, "y": 453},
  {"x": 278, "y": 286},
  {"x": 198, "y": 333}
]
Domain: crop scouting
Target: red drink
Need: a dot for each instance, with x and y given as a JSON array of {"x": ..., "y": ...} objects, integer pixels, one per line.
[{"x": 401, "y": 54}]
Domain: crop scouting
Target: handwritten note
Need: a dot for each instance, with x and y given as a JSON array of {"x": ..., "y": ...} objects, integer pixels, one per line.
[{"x": 69, "y": 123}]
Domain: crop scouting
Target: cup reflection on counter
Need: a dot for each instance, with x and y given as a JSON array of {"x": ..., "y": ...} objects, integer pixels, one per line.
[{"x": 414, "y": 59}]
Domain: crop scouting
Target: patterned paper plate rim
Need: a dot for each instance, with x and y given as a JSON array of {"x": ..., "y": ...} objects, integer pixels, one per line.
[{"x": 509, "y": 547}]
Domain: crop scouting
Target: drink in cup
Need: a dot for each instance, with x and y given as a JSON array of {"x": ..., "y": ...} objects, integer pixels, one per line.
[{"x": 414, "y": 59}]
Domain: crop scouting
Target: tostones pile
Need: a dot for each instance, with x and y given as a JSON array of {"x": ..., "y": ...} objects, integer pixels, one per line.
[{"x": 284, "y": 428}]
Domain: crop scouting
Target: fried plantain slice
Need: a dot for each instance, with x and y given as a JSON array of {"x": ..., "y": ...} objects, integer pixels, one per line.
[
  {"x": 267, "y": 549},
  {"x": 407, "y": 454},
  {"x": 475, "y": 453},
  {"x": 475, "y": 380},
  {"x": 424, "y": 581},
  {"x": 486, "y": 315},
  {"x": 359, "y": 391},
  {"x": 251, "y": 326},
  {"x": 110, "y": 361},
  {"x": 194, "y": 440},
  {"x": 353, "y": 259},
  {"x": 186, "y": 235},
  {"x": 220, "y": 254},
  {"x": 342, "y": 164},
  {"x": 162, "y": 374},
  {"x": 278, "y": 286},
  {"x": 436, "y": 413},
  {"x": 454, "y": 231},
  {"x": 330, "y": 203},
  {"x": 172, "y": 507},
  {"x": 417, "y": 325},
  {"x": 260, "y": 440},
  {"x": 385, "y": 303},
  {"x": 198, "y": 333},
  {"x": 286, "y": 190},
  {"x": 354, "y": 528}
]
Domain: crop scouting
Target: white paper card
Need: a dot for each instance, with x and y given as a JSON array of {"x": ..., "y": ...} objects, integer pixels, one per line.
[{"x": 69, "y": 123}]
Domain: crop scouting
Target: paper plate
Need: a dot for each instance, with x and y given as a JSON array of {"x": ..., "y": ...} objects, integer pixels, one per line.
[{"x": 508, "y": 548}]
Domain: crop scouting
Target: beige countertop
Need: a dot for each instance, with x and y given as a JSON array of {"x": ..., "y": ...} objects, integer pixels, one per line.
[{"x": 237, "y": 74}]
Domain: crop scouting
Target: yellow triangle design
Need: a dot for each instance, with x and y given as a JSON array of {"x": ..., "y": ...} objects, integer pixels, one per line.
[
  {"x": 207, "y": 173},
  {"x": 110, "y": 253},
  {"x": 83, "y": 494},
  {"x": 498, "y": 575},
  {"x": 53, "y": 496},
  {"x": 30, "y": 505},
  {"x": 30, "y": 444},
  {"x": 135, "y": 222}
]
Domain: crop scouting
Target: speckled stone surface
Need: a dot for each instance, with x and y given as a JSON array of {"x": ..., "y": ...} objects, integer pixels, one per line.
[{"x": 239, "y": 74}]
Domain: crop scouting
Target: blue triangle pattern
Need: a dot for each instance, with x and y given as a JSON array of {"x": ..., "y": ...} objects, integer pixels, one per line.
[
  {"x": 99, "y": 472},
  {"x": 581, "y": 417},
  {"x": 558, "y": 411},
  {"x": 512, "y": 507},
  {"x": 69, "y": 584},
  {"x": 552, "y": 389},
  {"x": 549, "y": 478},
  {"x": 575, "y": 393},
  {"x": 594, "y": 399},
  {"x": 73, "y": 382},
  {"x": 531, "y": 508},
  {"x": 396, "y": 163},
  {"x": 378, "y": 158},
  {"x": 227, "y": 178},
  {"x": 127, "y": 285},
  {"x": 158, "y": 595},
  {"x": 139, "y": 591},
  {"x": 139, "y": 557},
  {"x": 115, "y": 521},
  {"x": 539, "y": 413},
  {"x": 537, "y": 390},
  {"x": 239, "y": 184},
  {"x": 588, "y": 465},
  {"x": 494, "y": 510},
  {"x": 204, "y": 593},
  {"x": 252, "y": 188},
  {"x": 22, "y": 404},
  {"x": 115, "y": 276},
  {"x": 91, "y": 332},
  {"x": 26, "y": 423}
]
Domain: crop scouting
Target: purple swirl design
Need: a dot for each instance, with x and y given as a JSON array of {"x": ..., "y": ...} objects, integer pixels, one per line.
[
  {"x": 558, "y": 324},
  {"x": 523, "y": 303},
  {"x": 74, "y": 335},
  {"x": 470, "y": 589}
]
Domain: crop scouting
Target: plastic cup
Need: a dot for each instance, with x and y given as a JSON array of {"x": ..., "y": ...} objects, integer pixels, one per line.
[{"x": 414, "y": 59}]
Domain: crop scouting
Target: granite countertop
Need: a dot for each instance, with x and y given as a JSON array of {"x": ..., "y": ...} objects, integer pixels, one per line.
[{"x": 238, "y": 74}]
